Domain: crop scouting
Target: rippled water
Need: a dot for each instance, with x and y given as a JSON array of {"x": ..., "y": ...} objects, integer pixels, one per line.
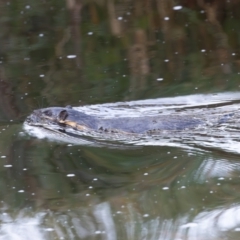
[
  {"x": 177, "y": 186},
  {"x": 219, "y": 112}
]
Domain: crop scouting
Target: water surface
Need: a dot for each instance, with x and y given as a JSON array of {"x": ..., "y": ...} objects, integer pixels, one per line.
[{"x": 176, "y": 57}]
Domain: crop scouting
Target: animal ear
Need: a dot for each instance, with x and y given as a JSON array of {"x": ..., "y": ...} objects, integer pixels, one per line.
[{"x": 62, "y": 115}]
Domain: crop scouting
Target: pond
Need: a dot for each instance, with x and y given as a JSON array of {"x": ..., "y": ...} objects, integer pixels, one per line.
[{"x": 113, "y": 59}]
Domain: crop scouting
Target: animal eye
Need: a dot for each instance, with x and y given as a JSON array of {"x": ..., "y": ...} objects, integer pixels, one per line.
[
  {"x": 48, "y": 113},
  {"x": 62, "y": 115}
]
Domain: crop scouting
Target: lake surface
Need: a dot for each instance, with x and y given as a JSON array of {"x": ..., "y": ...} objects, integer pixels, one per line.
[{"x": 111, "y": 59}]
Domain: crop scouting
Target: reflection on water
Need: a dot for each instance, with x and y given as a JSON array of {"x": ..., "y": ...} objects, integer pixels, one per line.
[
  {"x": 21, "y": 226},
  {"x": 58, "y": 191},
  {"x": 67, "y": 191}
]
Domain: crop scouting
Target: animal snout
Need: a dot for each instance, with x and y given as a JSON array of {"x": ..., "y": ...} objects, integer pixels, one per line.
[{"x": 34, "y": 117}]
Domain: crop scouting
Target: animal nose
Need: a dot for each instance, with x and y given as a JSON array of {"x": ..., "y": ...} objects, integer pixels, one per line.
[{"x": 34, "y": 117}]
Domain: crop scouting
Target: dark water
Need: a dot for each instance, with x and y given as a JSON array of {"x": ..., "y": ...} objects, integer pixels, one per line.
[{"x": 57, "y": 53}]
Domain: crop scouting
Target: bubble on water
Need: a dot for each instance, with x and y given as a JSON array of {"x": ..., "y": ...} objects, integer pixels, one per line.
[
  {"x": 71, "y": 175},
  {"x": 7, "y": 166},
  {"x": 177, "y": 7},
  {"x": 71, "y": 56},
  {"x": 49, "y": 229}
]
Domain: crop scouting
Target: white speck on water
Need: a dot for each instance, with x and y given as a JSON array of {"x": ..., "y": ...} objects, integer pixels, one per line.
[
  {"x": 21, "y": 191},
  {"x": 49, "y": 229},
  {"x": 26, "y": 94},
  {"x": 145, "y": 174},
  {"x": 26, "y": 59},
  {"x": 27, "y": 7},
  {"x": 69, "y": 145},
  {"x": 24, "y": 169},
  {"x": 188, "y": 225},
  {"x": 233, "y": 54},
  {"x": 90, "y": 33},
  {"x": 165, "y": 188},
  {"x": 177, "y": 7},
  {"x": 3, "y": 156},
  {"x": 87, "y": 194},
  {"x": 166, "y": 60},
  {"x": 221, "y": 178},
  {"x": 146, "y": 215},
  {"x": 41, "y": 75},
  {"x": 7, "y": 165},
  {"x": 71, "y": 56},
  {"x": 166, "y": 18},
  {"x": 183, "y": 187},
  {"x": 41, "y": 35},
  {"x": 118, "y": 212},
  {"x": 159, "y": 79},
  {"x": 90, "y": 187},
  {"x": 120, "y": 18},
  {"x": 203, "y": 50},
  {"x": 71, "y": 175},
  {"x": 95, "y": 179},
  {"x": 98, "y": 232}
]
